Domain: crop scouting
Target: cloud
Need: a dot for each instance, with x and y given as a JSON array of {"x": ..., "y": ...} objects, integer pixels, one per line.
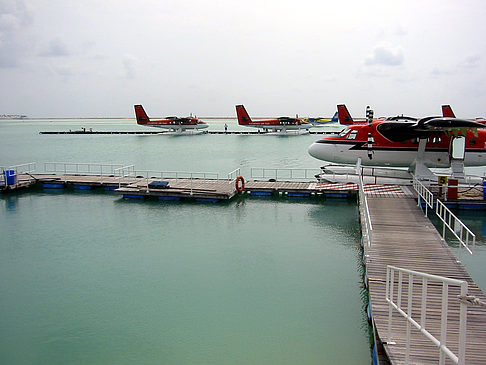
[
  {"x": 55, "y": 48},
  {"x": 13, "y": 16},
  {"x": 129, "y": 65},
  {"x": 386, "y": 56},
  {"x": 471, "y": 62}
]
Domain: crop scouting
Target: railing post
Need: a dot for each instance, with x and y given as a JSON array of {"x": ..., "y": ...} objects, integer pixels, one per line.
[
  {"x": 409, "y": 316},
  {"x": 462, "y": 327},
  {"x": 443, "y": 323},
  {"x": 390, "y": 308}
]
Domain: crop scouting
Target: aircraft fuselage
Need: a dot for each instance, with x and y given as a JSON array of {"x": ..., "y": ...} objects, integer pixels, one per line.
[{"x": 366, "y": 142}]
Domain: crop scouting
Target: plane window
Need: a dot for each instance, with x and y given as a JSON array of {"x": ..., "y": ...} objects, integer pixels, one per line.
[{"x": 472, "y": 141}]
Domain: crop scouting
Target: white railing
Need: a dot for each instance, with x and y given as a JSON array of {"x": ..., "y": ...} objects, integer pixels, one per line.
[
  {"x": 423, "y": 194},
  {"x": 420, "y": 321},
  {"x": 124, "y": 172},
  {"x": 458, "y": 229},
  {"x": 366, "y": 211},
  {"x": 81, "y": 168},
  {"x": 24, "y": 168},
  {"x": 153, "y": 174},
  {"x": 127, "y": 175},
  {"x": 233, "y": 175},
  {"x": 15, "y": 170},
  {"x": 284, "y": 174}
]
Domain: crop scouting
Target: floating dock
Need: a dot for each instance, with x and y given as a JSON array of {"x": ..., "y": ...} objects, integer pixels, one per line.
[
  {"x": 204, "y": 189},
  {"x": 402, "y": 236}
]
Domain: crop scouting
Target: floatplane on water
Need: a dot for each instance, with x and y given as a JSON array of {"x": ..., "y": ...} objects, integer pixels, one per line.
[
  {"x": 174, "y": 124},
  {"x": 415, "y": 145},
  {"x": 282, "y": 124}
]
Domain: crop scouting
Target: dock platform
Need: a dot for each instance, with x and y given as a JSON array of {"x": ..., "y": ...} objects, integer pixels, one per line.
[
  {"x": 403, "y": 237},
  {"x": 209, "y": 189}
]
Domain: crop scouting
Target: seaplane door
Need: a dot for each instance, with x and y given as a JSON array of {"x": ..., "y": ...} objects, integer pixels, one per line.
[
  {"x": 457, "y": 148},
  {"x": 457, "y": 151}
]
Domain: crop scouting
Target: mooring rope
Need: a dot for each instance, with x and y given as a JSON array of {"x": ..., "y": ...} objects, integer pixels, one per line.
[{"x": 471, "y": 300}]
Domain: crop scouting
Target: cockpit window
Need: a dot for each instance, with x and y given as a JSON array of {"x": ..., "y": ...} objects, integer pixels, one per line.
[
  {"x": 352, "y": 135},
  {"x": 343, "y": 132}
]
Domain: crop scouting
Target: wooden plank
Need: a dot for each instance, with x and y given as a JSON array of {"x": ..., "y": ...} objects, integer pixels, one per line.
[{"x": 404, "y": 237}]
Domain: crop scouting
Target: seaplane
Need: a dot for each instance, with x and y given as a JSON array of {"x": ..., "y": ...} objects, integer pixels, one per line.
[
  {"x": 406, "y": 142},
  {"x": 319, "y": 122},
  {"x": 174, "y": 124},
  {"x": 282, "y": 124}
]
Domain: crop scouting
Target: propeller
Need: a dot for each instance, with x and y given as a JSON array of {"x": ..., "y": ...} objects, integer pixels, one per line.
[{"x": 369, "y": 119}]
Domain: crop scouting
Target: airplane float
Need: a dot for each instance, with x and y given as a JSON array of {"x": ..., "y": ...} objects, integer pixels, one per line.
[
  {"x": 419, "y": 144},
  {"x": 281, "y": 124},
  {"x": 173, "y": 123}
]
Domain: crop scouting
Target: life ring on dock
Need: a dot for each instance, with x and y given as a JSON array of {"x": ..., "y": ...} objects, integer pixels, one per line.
[{"x": 240, "y": 184}]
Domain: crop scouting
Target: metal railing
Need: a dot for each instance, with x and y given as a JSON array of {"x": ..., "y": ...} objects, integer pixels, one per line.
[
  {"x": 465, "y": 236},
  {"x": 23, "y": 168},
  {"x": 15, "y": 170},
  {"x": 124, "y": 172},
  {"x": 455, "y": 225},
  {"x": 127, "y": 175},
  {"x": 82, "y": 168},
  {"x": 423, "y": 194},
  {"x": 363, "y": 202},
  {"x": 420, "y": 322},
  {"x": 233, "y": 175},
  {"x": 284, "y": 173}
]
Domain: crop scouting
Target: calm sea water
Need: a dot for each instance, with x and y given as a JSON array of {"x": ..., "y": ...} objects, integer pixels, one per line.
[{"x": 90, "y": 278}]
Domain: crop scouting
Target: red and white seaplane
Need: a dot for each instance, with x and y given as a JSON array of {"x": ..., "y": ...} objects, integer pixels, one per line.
[
  {"x": 282, "y": 124},
  {"x": 419, "y": 144},
  {"x": 175, "y": 124}
]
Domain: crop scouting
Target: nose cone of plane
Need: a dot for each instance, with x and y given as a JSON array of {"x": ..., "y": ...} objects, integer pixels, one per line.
[{"x": 314, "y": 150}]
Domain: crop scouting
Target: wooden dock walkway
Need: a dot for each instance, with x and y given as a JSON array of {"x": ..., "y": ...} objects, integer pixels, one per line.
[
  {"x": 215, "y": 189},
  {"x": 404, "y": 237}
]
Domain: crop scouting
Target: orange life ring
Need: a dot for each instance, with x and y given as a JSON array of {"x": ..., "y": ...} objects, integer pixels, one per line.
[{"x": 240, "y": 184}]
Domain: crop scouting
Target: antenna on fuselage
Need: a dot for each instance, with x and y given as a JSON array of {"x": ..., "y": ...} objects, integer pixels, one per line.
[{"x": 369, "y": 119}]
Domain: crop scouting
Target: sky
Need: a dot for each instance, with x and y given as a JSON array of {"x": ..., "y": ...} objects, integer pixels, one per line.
[{"x": 97, "y": 58}]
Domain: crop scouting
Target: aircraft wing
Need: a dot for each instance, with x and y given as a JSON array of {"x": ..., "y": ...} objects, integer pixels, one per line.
[{"x": 402, "y": 131}]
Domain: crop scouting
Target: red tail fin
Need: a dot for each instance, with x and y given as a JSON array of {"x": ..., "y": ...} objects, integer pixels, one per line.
[
  {"x": 343, "y": 114},
  {"x": 243, "y": 117},
  {"x": 142, "y": 117},
  {"x": 447, "y": 111}
]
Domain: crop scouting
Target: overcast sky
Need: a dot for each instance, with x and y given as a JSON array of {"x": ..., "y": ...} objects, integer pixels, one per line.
[{"x": 63, "y": 58}]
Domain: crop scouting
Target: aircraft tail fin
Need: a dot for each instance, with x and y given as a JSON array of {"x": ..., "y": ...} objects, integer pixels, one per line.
[
  {"x": 243, "y": 117},
  {"x": 343, "y": 115},
  {"x": 142, "y": 117},
  {"x": 447, "y": 111},
  {"x": 335, "y": 118}
]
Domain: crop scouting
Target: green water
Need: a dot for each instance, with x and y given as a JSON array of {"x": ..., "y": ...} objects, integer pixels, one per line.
[{"x": 90, "y": 278}]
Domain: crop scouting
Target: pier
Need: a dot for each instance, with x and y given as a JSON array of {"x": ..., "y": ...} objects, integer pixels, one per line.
[{"x": 421, "y": 298}]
